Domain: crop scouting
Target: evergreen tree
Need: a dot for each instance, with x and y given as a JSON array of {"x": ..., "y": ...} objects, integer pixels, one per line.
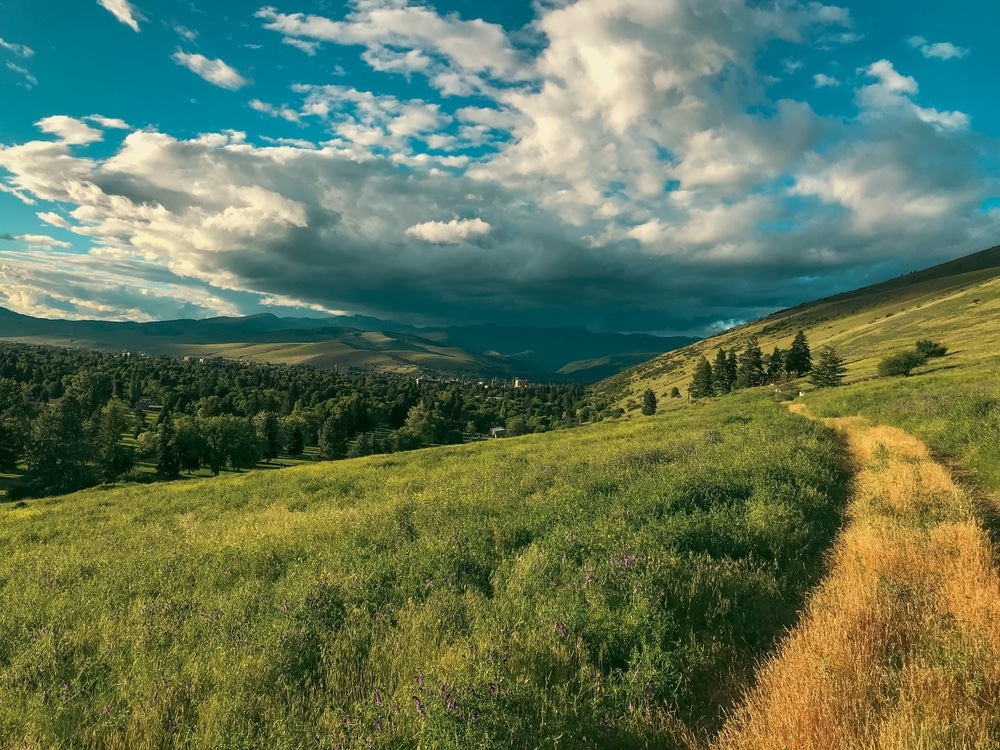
[
  {"x": 701, "y": 383},
  {"x": 13, "y": 434},
  {"x": 731, "y": 368},
  {"x": 721, "y": 383},
  {"x": 829, "y": 370},
  {"x": 59, "y": 452},
  {"x": 649, "y": 403},
  {"x": 798, "y": 361},
  {"x": 774, "y": 364},
  {"x": 14, "y": 423},
  {"x": 750, "y": 370}
]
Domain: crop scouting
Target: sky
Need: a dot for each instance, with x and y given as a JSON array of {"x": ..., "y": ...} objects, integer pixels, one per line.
[{"x": 667, "y": 166}]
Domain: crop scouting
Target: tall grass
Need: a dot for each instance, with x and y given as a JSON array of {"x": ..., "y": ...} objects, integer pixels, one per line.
[{"x": 612, "y": 586}]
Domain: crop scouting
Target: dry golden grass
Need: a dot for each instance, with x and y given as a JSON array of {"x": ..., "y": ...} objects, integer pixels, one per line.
[{"x": 900, "y": 646}]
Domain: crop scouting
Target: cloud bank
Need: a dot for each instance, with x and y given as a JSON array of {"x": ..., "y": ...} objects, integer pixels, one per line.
[{"x": 618, "y": 164}]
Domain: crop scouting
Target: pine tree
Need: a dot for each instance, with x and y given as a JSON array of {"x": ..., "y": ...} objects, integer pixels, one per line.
[
  {"x": 731, "y": 368},
  {"x": 721, "y": 384},
  {"x": 750, "y": 371},
  {"x": 701, "y": 384},
  {"x": 59, "y": 452},
  {"x": 649, "y": 403},
  {"x": 829, "y": 370},
  {"x": 774, "y": 364},
  {"x": 798, "y": 361}
]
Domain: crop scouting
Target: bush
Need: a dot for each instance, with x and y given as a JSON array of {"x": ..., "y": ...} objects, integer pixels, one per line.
[
  {"x": 900, "y": 364},
  {"x": 930, "y": 349}
]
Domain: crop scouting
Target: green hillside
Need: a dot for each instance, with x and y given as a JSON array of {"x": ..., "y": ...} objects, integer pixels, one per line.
[
  {"x": 956, "y": 302},
  {"x": 610, "y": 586}
]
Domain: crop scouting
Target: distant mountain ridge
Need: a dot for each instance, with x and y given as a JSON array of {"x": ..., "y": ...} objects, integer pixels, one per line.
[{"x": 361, "y": 342}]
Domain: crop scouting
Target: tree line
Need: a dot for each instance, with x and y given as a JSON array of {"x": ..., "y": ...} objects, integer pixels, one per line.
[
  {"x": 750, "y": 368},
  {"x": 64, "y": 412}
]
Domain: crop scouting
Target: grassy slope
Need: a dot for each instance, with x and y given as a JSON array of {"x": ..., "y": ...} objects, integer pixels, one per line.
[
  {"x": 606, "y": 586},
  {"x": 957, "y": 303}
]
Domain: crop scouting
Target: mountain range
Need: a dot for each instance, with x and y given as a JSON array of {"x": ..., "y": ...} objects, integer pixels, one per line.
[{"x": 359, "y": 342}]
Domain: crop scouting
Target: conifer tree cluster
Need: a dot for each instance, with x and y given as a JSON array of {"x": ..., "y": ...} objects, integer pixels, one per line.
[
  {"x": 750, "y": 368},
  {"x": 65, "y": 415}
]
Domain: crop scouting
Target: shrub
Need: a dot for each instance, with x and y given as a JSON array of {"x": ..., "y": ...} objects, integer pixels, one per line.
[
  {"x": 900, "y": 364},
  {"x": 930, "y": 349}
]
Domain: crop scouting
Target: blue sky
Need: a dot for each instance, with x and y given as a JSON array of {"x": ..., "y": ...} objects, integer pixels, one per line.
[{"x": 671, "y": 166}]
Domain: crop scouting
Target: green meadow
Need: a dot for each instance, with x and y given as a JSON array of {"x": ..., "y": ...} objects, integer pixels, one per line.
[{"x": 609, "y": 586}]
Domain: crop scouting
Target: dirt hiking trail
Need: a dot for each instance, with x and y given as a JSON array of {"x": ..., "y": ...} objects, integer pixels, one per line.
[{"x": 899, "y": 646}]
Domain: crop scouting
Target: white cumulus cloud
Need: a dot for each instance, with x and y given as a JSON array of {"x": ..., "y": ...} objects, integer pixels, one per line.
[
  {"x": 937, "y": 50},
  {"x": 449, "y": 232},
  {"x": 215, "y": 72},
  {"x": 893, "y": 94},
  {"x": 69, "y": 130}
]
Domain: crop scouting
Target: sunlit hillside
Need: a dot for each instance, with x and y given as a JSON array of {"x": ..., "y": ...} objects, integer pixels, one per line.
[
  {"x": 957, "y": 303},
  {"x": 608, "y": 586}
]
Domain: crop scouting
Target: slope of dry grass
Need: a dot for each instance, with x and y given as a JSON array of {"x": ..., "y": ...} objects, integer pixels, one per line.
[{"x": 900, "y": 646}]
